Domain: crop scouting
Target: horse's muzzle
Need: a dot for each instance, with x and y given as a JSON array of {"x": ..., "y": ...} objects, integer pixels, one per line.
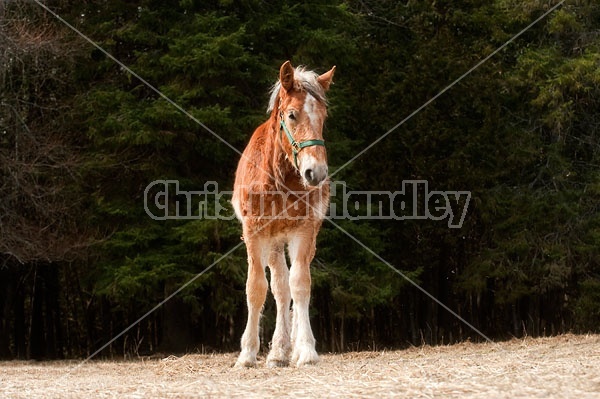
[{"x": 314, "y": 176}]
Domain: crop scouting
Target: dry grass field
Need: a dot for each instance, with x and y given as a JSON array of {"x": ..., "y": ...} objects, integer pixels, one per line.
[{"x": 567, "y": 366}]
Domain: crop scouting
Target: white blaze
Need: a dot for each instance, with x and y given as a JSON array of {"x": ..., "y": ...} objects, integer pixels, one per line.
[{"x": 310, "y": 108}]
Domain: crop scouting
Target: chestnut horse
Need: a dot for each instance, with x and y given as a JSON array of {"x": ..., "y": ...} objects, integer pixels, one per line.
[{"x": 281, "y": 195}]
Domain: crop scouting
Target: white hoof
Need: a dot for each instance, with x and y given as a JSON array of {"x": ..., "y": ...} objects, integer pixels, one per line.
[
  {"x": 279, "y": 357},
  {"x": 305, "y": 356},
  {"x": 245, "y": 360},
  {"x": 277, "y": 363}
]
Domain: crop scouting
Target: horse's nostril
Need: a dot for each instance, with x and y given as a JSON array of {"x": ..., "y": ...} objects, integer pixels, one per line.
[
  {"x": 314, "y": 176},
  {"x": 308, "y": 175}
]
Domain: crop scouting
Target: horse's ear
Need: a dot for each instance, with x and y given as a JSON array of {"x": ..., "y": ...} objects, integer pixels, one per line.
[
  {"x": 286, "y": 76},
  {"x": 326, "y": 79}
]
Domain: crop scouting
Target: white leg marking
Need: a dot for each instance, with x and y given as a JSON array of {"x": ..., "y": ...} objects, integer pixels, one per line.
[
  {"x": 279, "y": 355},
  {"x": 302, "y": 249}
]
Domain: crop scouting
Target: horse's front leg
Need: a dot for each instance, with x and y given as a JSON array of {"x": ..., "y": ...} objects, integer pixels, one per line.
[
  {"x": 256, "y": 293},
  {"x": 279, "y": 355},
  {"x": 302, "y": 251}
]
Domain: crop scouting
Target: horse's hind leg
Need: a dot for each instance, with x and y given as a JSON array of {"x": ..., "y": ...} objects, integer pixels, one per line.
[
  {"x": 302, "y": 251},
  {"x": 256, "y": 292},
  {"x": 279, "y": 356}
]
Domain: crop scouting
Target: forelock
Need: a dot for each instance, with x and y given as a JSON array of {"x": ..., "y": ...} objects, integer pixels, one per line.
[{"x": 303, "y": 80}]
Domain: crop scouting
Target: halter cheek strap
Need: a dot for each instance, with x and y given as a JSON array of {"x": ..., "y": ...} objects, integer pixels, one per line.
[{"x": 297, "y": 146}]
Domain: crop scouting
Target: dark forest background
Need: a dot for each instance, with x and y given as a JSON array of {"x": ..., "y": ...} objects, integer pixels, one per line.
[{"x": 81, "y": 138}]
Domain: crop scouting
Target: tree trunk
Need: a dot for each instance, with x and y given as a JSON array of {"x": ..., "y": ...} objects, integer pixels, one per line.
[
  {"x": 37, "y": 341},
  {"x": 5, "y": 297},
  {"x": 54, "y": 336},
  {"x": 177, "y": 333}
]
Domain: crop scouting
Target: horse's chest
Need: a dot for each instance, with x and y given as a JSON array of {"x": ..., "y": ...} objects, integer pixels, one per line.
[{"x": 282, "y": 211}]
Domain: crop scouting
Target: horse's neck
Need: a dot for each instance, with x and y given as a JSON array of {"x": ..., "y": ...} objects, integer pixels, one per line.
[{"x": 280, "y": 167}]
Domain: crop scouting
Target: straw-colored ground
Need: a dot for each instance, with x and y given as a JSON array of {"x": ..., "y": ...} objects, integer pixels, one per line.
[{"x": 560, "y": 367}]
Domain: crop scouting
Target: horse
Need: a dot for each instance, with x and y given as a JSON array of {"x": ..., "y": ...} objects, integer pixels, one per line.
[{"x": 281, "y": 195}]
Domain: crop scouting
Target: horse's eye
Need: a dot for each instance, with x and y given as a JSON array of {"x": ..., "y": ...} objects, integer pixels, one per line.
[{"x": 292, "y": 116}]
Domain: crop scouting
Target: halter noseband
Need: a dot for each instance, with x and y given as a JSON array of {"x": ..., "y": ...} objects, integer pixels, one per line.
[{"x": 297, "y": 146}]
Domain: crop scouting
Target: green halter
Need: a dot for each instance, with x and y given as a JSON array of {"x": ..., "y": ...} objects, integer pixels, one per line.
[{"x": 297, "y": 146}]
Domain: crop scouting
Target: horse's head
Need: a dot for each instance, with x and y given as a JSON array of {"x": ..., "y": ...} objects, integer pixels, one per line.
[{"x": 299, "y": 105}]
